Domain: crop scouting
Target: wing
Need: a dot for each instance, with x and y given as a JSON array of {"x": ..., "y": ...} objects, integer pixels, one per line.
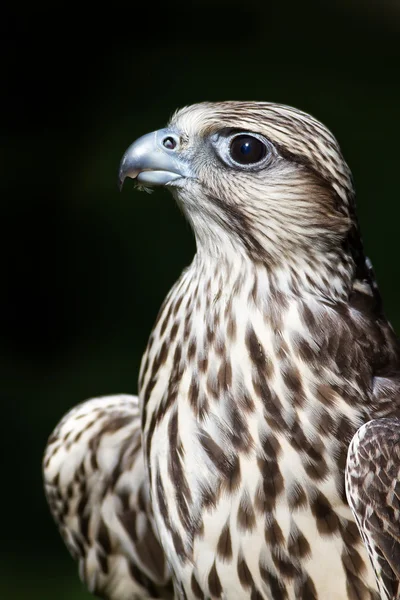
[
  {"x": 373, "y": 493},
  {"x": 97, "y": 491}
]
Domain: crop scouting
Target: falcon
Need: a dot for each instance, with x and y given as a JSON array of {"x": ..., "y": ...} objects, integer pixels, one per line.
[{"x": 265, "y": 462}]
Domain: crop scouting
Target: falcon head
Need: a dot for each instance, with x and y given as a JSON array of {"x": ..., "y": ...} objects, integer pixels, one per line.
[{"x": 254, "y": 177}]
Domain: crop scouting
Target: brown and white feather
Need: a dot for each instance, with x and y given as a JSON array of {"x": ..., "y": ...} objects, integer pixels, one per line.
[
  {"x": 97, "y": 491},
  {"x": 373, "y": 490}
]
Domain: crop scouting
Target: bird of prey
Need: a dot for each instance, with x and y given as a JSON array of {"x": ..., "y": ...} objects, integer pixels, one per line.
[{"x": 265, "y": 463}]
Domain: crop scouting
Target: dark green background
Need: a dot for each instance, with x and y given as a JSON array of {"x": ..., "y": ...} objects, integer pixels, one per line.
[{"x": 85, "y": 268}]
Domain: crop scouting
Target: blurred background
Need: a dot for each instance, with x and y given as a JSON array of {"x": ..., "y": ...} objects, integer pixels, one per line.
[{"x": 84, "y": 268}]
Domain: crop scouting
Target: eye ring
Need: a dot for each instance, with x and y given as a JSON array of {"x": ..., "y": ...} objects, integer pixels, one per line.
[{"x": 247, "y": 150}]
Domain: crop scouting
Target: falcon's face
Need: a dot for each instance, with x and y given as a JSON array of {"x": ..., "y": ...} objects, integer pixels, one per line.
[{"x": 266, "y": 175}]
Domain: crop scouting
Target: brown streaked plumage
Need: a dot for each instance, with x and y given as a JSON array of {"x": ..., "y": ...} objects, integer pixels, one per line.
[
  {"x": 98, "y": 494},
  {"x": 267, "y": 356},
  {"x": 373, "y": 489}
]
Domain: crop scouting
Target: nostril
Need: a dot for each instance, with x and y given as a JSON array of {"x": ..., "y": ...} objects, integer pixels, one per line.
[{"x": 169, "y": 142}]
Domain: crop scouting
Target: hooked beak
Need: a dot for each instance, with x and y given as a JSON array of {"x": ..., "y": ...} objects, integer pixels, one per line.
[{"x": 154, "y": 159}]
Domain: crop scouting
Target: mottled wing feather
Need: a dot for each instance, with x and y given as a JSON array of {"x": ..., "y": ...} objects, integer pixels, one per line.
[
  {"x": 373, "y": 491},
  {"x": 97, "y": 491}
]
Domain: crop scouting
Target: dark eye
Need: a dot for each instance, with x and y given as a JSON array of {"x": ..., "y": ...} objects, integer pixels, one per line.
[
  {"x": 169, "y": 142},
  {"x": 247, "y": 150}
]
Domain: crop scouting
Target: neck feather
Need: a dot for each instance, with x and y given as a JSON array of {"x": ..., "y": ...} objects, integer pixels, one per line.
[{"x": 329, "y": 275}]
